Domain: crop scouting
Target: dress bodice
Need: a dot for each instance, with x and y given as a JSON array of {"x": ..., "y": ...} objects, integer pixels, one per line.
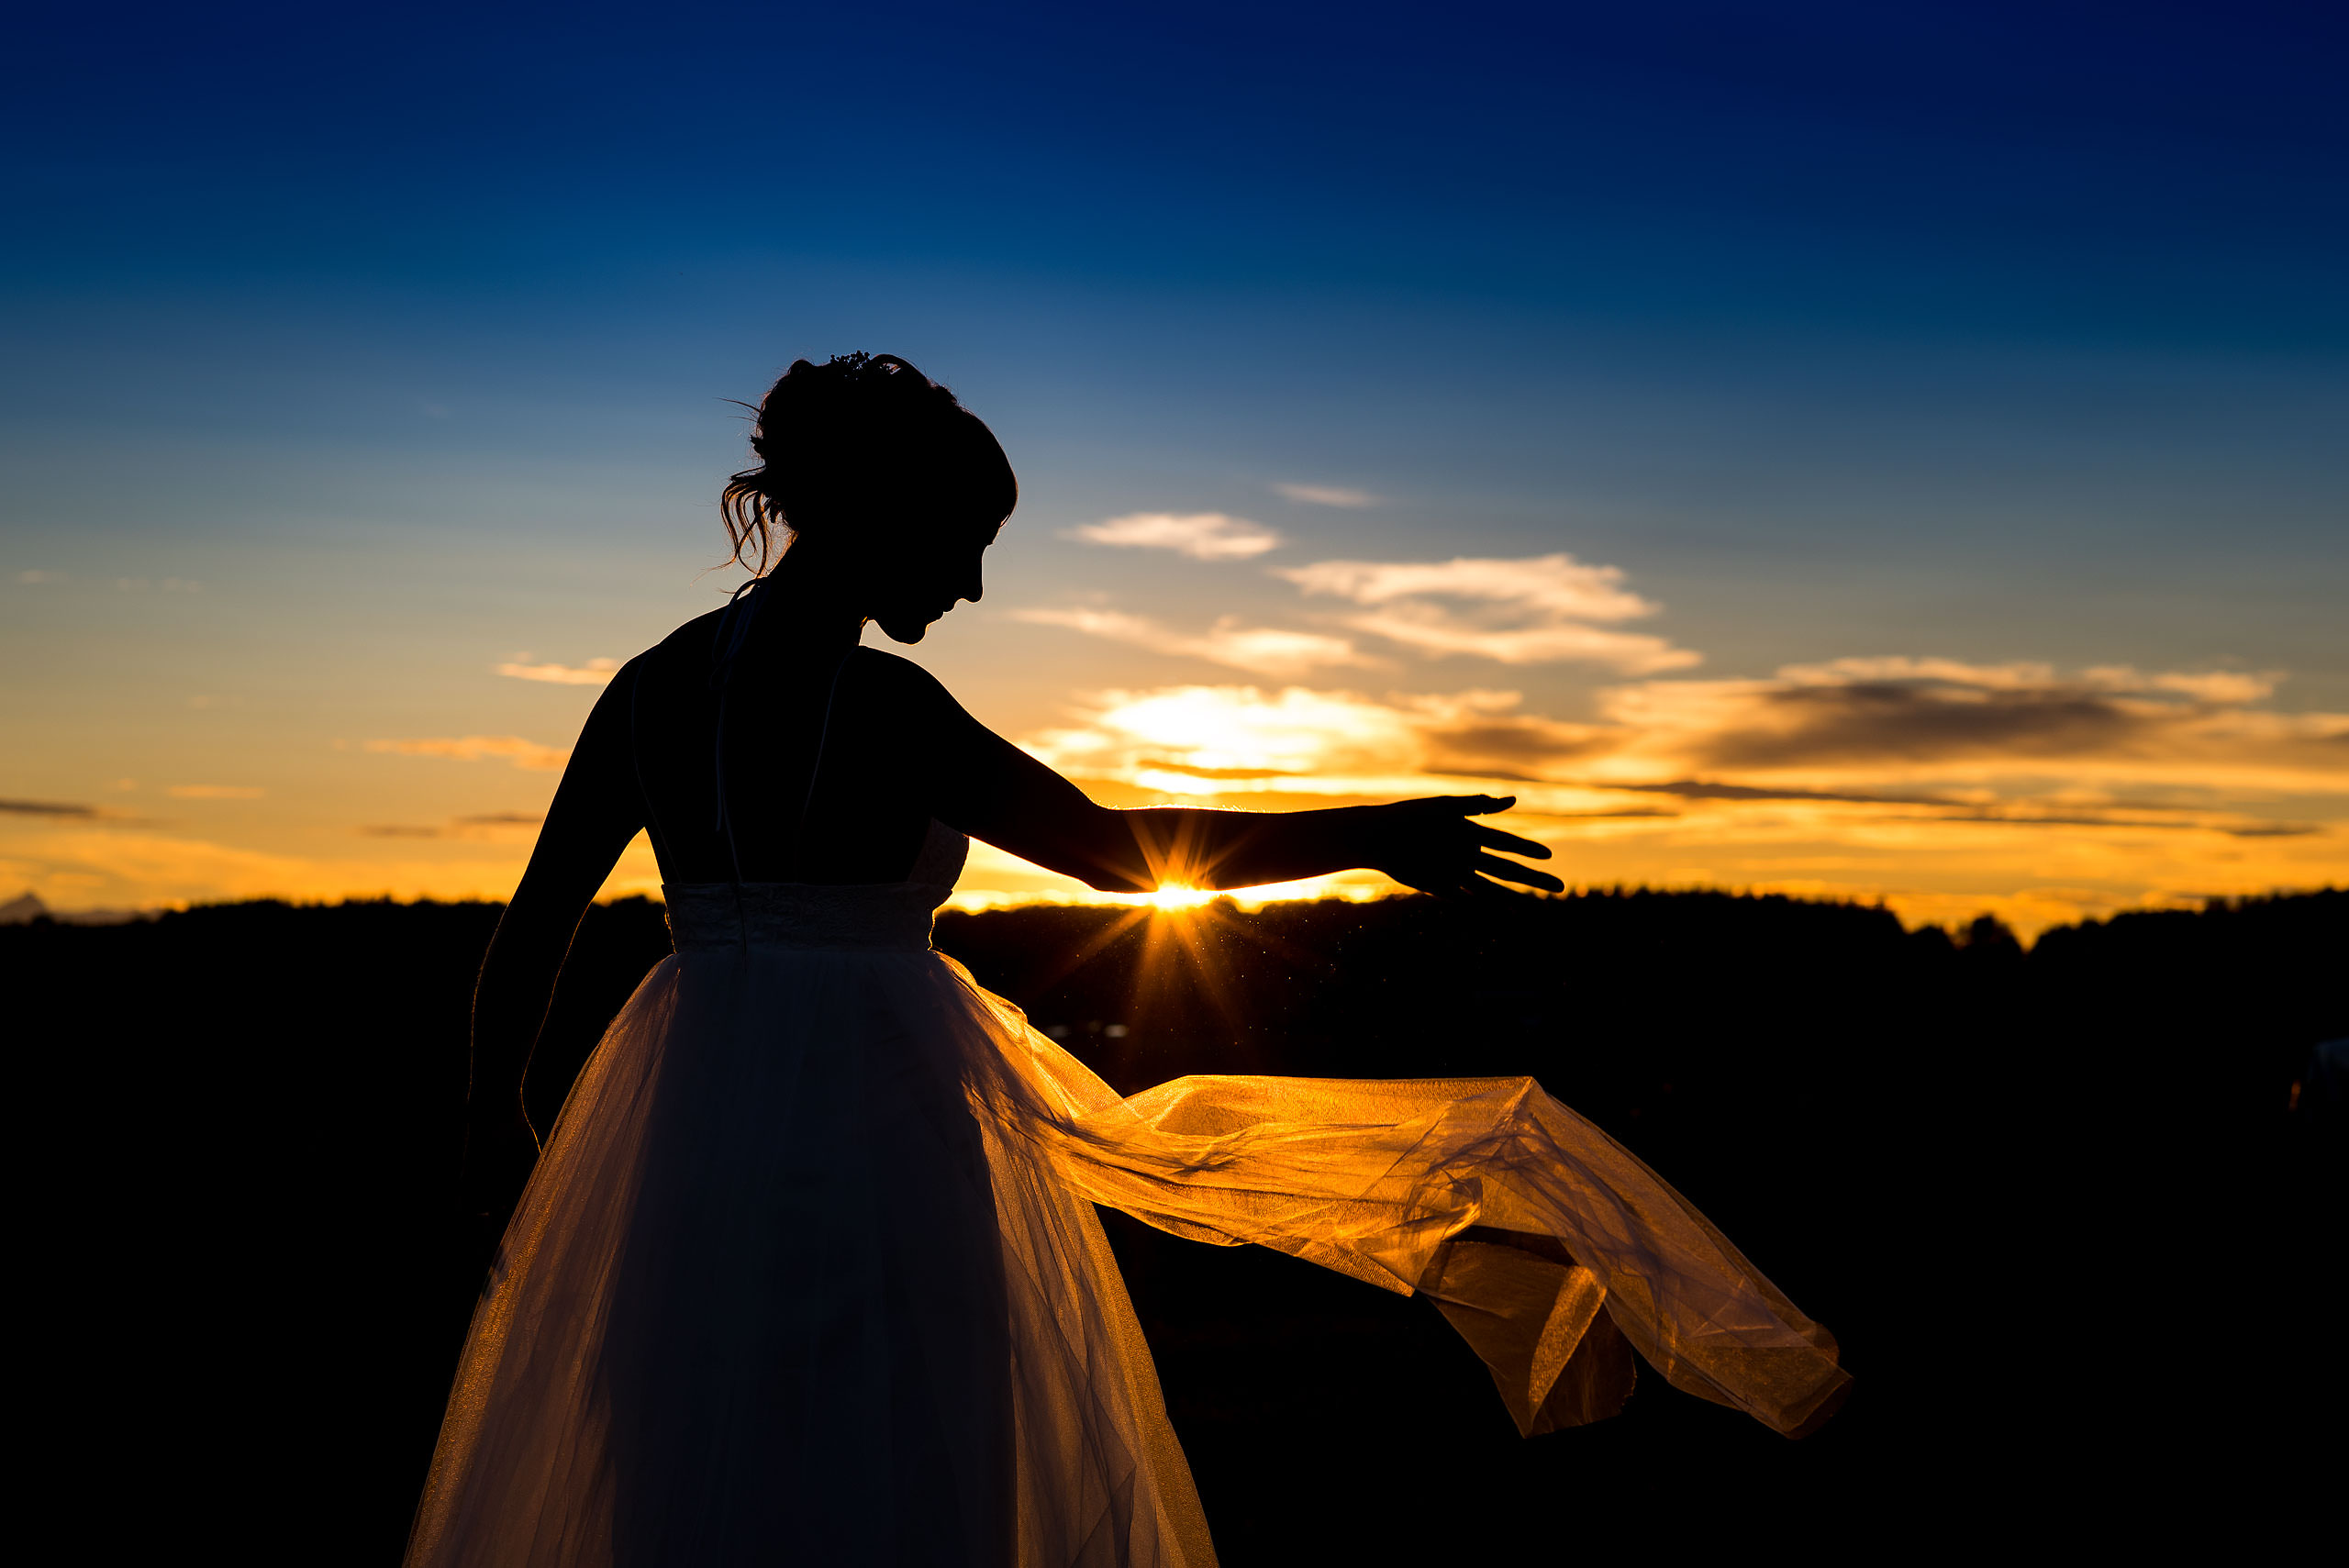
[{"x": 705, "y": 916}]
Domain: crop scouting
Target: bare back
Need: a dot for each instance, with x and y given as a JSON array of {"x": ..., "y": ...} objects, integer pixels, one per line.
[{"x": 829, "y": 760}]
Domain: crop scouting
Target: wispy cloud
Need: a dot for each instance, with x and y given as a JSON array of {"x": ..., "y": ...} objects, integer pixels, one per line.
[
  {"x": 521, "y": 753},
  {"x": 1236, "y": 733},
  {"x": 36, "y": 575},
  {"x": 486, "y": 825},
  {"x": 1342, "y": 742},
  {"x": 56, "y": 808},
  {"x": 216, "y": 792},
  {"x": 76, "y": 812},
  {"x": 1263, "y": 650},
  {"x": 1202, "y": 535},
  {"x": 1943, "y": 788},
  {"x": 1918, "y": 719},
  {"x": 2219, "y": 686},
  {"x": 72, "y": 865},
  {"x": 1327, "y": 495},
  {"x": 1531, "y": 611},
  {"x": 594, "y": 672},
  {"x": 1552, "y": 585},
  {"x": 2002, "y": 740}
]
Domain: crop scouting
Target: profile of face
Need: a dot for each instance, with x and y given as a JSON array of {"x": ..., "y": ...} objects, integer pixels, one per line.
[{"x": 909, "y": 589}]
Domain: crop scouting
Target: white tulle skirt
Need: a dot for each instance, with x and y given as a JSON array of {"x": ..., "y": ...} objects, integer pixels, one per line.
[{"x": 809, "y": 1272}]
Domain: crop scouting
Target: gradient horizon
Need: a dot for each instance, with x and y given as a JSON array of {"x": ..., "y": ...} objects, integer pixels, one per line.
[{"x": 1888, "y": 456}]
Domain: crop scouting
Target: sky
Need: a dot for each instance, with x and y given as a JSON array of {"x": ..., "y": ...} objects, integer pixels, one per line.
[{"x": 1852, "y": 450}]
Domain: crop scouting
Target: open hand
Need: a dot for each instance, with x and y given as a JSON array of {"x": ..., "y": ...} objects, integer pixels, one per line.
[{"x": 1430, "y": 844}]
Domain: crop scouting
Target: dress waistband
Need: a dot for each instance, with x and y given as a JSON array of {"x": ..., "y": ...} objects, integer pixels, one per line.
[{"x": 710, "y": 916}]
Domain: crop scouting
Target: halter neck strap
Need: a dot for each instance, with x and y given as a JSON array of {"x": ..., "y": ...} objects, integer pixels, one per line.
[
  {"x": 816, "y": 767},
  {"x": 732, "y": 630}
]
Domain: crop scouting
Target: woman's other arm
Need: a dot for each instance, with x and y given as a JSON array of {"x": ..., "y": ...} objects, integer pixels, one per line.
[
  {"x": 992, "y": 790},
  {"x": 596, "y": 811}
]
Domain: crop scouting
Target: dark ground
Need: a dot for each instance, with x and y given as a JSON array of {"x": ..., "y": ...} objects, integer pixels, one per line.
[{"x": 2083, "y": 1258}]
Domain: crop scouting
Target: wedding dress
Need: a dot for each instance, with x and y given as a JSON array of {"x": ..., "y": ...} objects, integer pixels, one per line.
[{"x": 809, "y": 1272}]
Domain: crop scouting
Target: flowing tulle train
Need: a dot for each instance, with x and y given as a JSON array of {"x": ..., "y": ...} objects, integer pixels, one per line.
[{"x": 809, "y": 1271}]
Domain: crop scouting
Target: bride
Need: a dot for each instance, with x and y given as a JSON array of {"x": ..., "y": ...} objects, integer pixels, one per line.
[{"x": 809, "y": 1271}]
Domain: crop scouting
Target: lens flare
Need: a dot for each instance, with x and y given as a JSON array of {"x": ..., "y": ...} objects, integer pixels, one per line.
[{"x": 1179, "y": 897}]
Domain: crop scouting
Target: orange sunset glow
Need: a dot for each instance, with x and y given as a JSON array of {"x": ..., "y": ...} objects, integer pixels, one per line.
[{"x": 1940, "y": 788}]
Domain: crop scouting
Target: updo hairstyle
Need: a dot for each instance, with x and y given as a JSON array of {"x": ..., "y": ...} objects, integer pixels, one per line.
[{"x": 864, "y": 442}]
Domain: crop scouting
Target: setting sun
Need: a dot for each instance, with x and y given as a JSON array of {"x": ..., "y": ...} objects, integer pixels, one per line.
[{"x": 1179, "y": 897}]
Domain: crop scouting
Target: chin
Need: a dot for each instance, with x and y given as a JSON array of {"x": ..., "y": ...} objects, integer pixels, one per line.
[{"x": 905, "y": 631}]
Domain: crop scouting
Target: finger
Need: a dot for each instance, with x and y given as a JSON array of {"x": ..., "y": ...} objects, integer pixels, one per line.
[
  {"x": 1463, "y": 804},
  {"x": 1525, "y": 876},
  {"x": 1494, "y": 839}
]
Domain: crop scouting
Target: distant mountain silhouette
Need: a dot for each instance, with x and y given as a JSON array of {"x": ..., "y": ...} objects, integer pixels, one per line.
[{"x": 28, "y": 908}]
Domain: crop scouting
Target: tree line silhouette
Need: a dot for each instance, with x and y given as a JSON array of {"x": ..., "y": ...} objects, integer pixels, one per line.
[{"x": 2057, "y": 1204}]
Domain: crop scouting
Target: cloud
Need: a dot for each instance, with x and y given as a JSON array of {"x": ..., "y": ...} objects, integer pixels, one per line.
[
  {"x": 1914, "y": 718},
  {"x": 1533, "y": 611},
  {"x": 1701, "y": 789},
  {"x": 46, "y": 808},
  {"x": 72, "y": 811},
  {"x": 486, "y": 825},
  {"x": 1202, "y": 535},
  {"x": 1293, "y": 738},
  {"x": 1555, "y": 585},
  {"x": 524, "y": 754},
  {"x": 2016, "y": 743},
  {"x": 1435, "y": 634},
  {"x": 1327, "y": 495},
  {"x": 36, "y": 575},
  {"x": 1530, "y": 611},
  {"x": 2222, "y": 687},
  {"x": 2177, "y": 799},
  {"x": 594, "y": 672},
  {"x": 1262, "y": 651},
  {"x": 1480, "y": 733},
  {"x": 215, "y": 792},
  {"x": 73, "y": 868},
  {"x": 1241, "y": 732}
]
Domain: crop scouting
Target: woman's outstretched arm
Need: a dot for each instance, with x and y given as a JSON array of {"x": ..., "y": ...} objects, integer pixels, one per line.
[
  {"x": 596, "y": 811},
  {"x": 992, "y": 790}
]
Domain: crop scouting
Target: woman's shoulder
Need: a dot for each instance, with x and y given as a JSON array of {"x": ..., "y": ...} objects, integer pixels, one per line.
[
  {"x": 696, "y": 635},
  {"x": 897, "y": 678},
  {"x": 880, "y": 664},
  {"x": 689, "y": 643}
]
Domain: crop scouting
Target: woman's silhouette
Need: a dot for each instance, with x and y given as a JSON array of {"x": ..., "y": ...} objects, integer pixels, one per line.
[{"x": 808, "y": 1271}]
